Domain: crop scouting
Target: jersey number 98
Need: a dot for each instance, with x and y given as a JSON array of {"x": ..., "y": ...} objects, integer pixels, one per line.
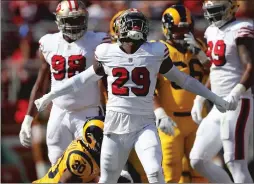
[
  {"x": 139, "y": 75},
  {"x": 76, "y": 63}
]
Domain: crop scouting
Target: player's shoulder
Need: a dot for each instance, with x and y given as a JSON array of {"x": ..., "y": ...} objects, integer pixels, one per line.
[
  {"x": 241, "y": 24},
  {"x": 48, "y": 38},
  {"x": 157, "y": 48},
  {"x": 98, "y": 37},
  {"x": 105, "y": 49}
]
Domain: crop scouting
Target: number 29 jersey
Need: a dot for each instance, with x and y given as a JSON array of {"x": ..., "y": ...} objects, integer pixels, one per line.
[
  {"x": 68, "y": 59},
  {"x": 79, "y": 159},
  {"x": 226, "y": 69},
  {"x": 131, "y": 78}
]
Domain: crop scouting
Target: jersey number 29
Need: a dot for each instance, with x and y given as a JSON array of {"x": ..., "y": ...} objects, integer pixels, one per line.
[
  {"x": 139, "y": 75},
  {"x": 76, "y": 63}
]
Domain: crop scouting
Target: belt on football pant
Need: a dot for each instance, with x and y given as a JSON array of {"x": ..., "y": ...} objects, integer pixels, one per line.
[{"x": 182, "y": 114}]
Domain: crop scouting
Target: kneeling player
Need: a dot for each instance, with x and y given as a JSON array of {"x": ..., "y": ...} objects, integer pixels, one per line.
[{"x": 81, "y": 160}]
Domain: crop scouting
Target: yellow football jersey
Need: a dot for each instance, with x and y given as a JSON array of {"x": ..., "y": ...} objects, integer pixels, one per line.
[
  {"x": 79, "y": 159},
  {"x": 176, "y": 99}
]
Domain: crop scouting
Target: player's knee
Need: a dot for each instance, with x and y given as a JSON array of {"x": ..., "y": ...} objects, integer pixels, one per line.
[{"x": 108, "y": 176}]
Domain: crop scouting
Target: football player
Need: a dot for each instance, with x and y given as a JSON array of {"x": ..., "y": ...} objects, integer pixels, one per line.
[
  {"x": 231, "y": 52},
  {"x": 131, "y": 68},
  {"x": 177, "y": 102},
  {"x": 80, "y": 162},
  {"x": 134, "y": 166},
  {"x": 63, "y": 55}
]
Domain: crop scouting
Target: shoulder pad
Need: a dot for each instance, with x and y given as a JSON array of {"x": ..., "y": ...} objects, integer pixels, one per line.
[
  {"x": 101, "y": 50},
  {"x": 46, "y": 41},
  {"x": 244, "y": 29},
  {"x": 160, "y": 49},
  {"x": 79, "y": 163}
]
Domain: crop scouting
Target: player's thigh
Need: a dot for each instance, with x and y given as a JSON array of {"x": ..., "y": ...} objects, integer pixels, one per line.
[
  {"x": 172, "y": 153},
  {"x": 58, "y": 134},
  {"x": 148, "y": 149},
  {"x": 136, "y": 169},
  {"x": 207, "y": 142},
  {"x": 235, "y": 130},
  {"x": 113, "y": 154}
]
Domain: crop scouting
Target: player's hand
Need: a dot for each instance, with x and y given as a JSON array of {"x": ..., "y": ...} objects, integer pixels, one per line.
[
  {"x": 221, "y": 104},
  {"x": 25, "y": 132},
  {"x": 234, "y": 96},
  {"x": 43, "y": 102},
  {"x": 194, "y": 47},
  {"x": 196, "y": 111},
  {"x": 164, "y": 122}
]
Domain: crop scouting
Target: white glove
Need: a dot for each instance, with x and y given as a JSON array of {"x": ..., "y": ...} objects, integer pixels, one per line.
[
  {"x": 44, "y": 101},
  {"x": 234, "y": 96},
  {"x": 196, "y": 111},
  {"x": 25, "y": 132},
  {"x": 164, "y": 122},
  {"x": 221, "y": 104},
  {"x": 195, "y": 48}
]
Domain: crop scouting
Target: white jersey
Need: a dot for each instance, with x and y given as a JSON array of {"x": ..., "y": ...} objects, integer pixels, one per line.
[
  {"x": 131, "y": 77},
  {"x": 68, "y": 59},
  {"x": 227, "y": 69}
]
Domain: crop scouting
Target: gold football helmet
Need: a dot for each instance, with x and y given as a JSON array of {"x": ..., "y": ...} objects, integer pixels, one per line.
[
  {"x": 72, "y": 18},
  {"x": 93, "y": 132},
  {"x": 219, "y": 12},
  {"x": 176, "y": 21},
  {"x": 113, "y": 29}
]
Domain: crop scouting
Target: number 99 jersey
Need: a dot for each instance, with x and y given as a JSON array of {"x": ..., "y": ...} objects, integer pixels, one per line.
[
  {"x": 226, "y": 69},
  {"x": 79, "y": 160},
  {"x": 68, "y": 59},
  {"x": 176, "y": 99}
]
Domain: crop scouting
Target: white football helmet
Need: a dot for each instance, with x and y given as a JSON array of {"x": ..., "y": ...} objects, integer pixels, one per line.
[
  {"x": 219, "y": 12},
  {"x": 72, "y": 18}
]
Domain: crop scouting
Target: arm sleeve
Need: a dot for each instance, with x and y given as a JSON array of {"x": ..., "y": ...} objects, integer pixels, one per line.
[
  {"x": 76, "y": 83},
  {"x": 189, "y": 83}
]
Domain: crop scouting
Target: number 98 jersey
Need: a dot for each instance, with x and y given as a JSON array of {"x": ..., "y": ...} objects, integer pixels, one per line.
[
  {"x": 226, "y": 69},
  {"x": 68, "y": 59},
  {"x": 131, "y": 78},
  {"x": 79, "y": 160}
]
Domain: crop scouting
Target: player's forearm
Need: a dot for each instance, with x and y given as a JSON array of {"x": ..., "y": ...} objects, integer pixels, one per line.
[
  {"x": 248, "y": 76},
  {"x": 75, "y": 83},
  {"x": 190, "y": 84}
]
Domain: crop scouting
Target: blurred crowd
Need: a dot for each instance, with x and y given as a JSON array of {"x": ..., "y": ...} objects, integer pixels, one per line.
[{"x": 24, "y": 22}]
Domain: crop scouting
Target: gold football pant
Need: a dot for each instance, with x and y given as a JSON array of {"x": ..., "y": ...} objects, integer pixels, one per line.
[{"x": 176, "y": 150}]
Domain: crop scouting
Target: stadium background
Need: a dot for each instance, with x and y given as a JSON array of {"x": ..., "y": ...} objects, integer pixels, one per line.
[{"x": 22, "y": 25}]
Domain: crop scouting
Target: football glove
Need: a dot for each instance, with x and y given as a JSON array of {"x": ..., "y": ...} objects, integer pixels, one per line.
[
  {"x": 26, "y": 131},
  {"x": 195, "y": 48},
  {"x": 234, "y": 96},
  {"x": 196, "y": 111},
  {"x": 164, "y": 122},
  {"x": 42, "y": 103}
]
